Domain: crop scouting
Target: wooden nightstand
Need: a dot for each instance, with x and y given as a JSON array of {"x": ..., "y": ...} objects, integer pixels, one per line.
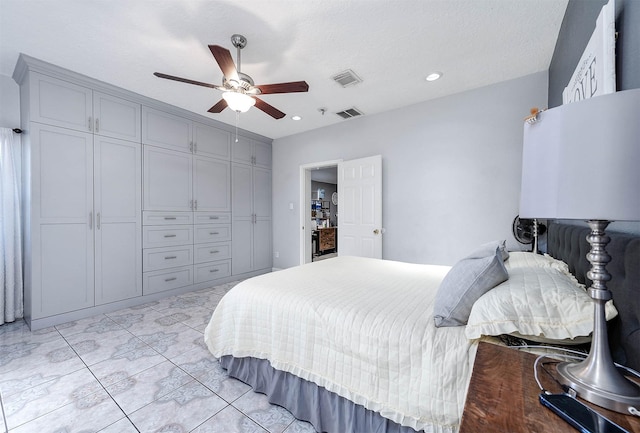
[{"x": 503, "y": 396}]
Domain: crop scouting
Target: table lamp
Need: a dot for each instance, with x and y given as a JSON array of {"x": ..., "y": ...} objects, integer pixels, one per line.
[{"x": 582, "y": 161}]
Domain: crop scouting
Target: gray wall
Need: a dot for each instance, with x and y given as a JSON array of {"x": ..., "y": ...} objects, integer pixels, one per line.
[
  {"x": 451, "y": 171},
  {"x": 9, "y": 103}
]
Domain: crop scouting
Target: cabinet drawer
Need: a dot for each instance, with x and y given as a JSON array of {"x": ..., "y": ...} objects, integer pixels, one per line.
[
  {"x": 211, "y": 252},
  {"x": 212, "y": 233},
  {"x": 212, "y": 218},
  {"x": 154, "y": 259},
  {"x": 212, "y": 271},
  {"x": 159, "y": 281},
  {"x": 166, "y": 236},
  {"x": 162, "y": 218}
]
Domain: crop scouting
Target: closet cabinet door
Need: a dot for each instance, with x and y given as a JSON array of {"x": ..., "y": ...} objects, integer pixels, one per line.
[
  {"x": 166, "y": 130},
  {"x": 262, "y": 192},
  {"x": 261, "y": 154},
  {"x": 262, "y": 244},
  {"x": 62, "y": 221},
  {"x": 211, "y": 184},
  {"x": 60, "y": 103},
  {"x": 209, "y": 141},
  {"x": 116, "y": 117},
  {"x": 117, "y": 197},
  {"x": 167, "y": 180},
  {"x": 242, "y": 191}
]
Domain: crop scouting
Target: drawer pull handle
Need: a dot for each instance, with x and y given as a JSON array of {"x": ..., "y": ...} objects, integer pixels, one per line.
[
  {"x": 214, "y": 218},
  {"x": 169, "y": 218},
  {"x": 214, "y": 252},
  {"x": 170, "y": 257},
  {"x": 214, "y": 233},
  {"x": 166, "y": 280},
  {"x": 214, "y": 270},
  {"x": 169, "y": 236}
]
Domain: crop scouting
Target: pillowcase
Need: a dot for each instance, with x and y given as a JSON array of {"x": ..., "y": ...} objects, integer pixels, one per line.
[
  {"x": 522, "y": 259},
  {"x": 489, "y": 248},
  {"x": 540, "y": 302},
  {"x": 465, "y": 282}
]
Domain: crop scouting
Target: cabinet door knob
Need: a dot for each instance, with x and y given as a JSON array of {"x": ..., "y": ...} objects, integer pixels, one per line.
[{"x": 376, "y": 231}]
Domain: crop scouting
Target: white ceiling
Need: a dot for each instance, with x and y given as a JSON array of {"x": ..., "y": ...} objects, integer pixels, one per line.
[{"x": 391, "y": 44}]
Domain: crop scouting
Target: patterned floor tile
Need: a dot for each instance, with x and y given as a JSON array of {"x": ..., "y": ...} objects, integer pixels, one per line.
[
  {"x": 229, "y": 420},
  {"x": 19, "y": 332},
  {"x": 298, "y": 426},
  {"x": 121, "y": 426},
  {"x": 179, "y": 411},
  {"x": 174, "y": 340},
  {"x": 125, "y": 365},
  {"x": 143, "y": 388},
  {"x": 200, "y": 317},
  {"x": 39, "y": 400},
  {"x": 24, "y": 360},
  {"x": 274, "y": 419},
  {"x": 94, "y": 348},
  {"x": 200, "y": 364},
  {"x": 99, "y": 324},
  {"x": 91, "y": 414}
]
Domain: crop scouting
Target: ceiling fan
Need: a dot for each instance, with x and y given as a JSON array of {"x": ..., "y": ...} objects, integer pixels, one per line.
[{"x": 239, "y": 91}]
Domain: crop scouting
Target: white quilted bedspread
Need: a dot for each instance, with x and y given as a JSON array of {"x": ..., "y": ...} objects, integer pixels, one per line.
[{"x": 362, "y": 328}]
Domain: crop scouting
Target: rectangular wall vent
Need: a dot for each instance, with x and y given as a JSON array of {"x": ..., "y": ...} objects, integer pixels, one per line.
[
  {"x": 349, "y": 113},
  {"x": 347, "y": 78}
]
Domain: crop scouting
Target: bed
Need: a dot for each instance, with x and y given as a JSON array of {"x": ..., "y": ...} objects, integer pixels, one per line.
[{"x": 351, "y": 344}]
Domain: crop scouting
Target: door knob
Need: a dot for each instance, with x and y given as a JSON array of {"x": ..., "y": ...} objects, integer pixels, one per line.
[{"x": 376, "y": 231}]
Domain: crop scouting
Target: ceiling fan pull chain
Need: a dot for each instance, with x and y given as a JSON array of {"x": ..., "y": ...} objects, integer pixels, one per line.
[{"x": 237, "y": 120}]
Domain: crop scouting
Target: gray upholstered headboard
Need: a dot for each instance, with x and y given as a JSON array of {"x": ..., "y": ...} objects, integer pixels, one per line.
[{"x": 568, "y": 243}]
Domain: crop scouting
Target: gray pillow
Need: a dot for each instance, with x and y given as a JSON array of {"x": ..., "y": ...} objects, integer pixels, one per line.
[
  {"x": 463, "y": 285},
  {"x": 489, "y": 248}
]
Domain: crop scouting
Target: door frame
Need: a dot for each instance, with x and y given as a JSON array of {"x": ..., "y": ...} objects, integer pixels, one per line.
[{"x": 305, "y": 208}]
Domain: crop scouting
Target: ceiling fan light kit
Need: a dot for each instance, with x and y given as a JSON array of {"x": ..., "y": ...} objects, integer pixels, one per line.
[
  {"x": 239, "y": 90},
  {"x": 239, "y": 101}
]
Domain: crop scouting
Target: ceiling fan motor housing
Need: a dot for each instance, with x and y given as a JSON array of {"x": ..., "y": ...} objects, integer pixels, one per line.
[{"x": 245, "y": 82}]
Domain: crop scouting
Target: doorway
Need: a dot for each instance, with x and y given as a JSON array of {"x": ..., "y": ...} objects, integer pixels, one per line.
[
  {"x": 358, "y": 220},
  {"x": 319, "y": 211}
]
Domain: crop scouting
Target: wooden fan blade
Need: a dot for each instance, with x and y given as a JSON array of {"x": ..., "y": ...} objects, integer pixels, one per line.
[
  {"x": 184, "y": 80},
  {"x": 269, "y": 109},
  {"x": 225, "y": 61},
  {"x": 220, "y": 105},
  {"x": 294, "y": 86}
]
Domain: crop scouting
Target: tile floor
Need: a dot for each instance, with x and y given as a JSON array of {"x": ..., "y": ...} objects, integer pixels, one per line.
[{"x": 142, "y": 369}]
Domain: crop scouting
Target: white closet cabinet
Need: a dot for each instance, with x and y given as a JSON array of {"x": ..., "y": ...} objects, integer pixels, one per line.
[
  {"x": 83, "y": 244},
  {"x": 61, "y": 103},
  {"x": 251, "y": 213}
]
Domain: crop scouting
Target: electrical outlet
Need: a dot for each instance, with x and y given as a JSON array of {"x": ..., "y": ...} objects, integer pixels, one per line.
[{"x": 277, "y": 254}]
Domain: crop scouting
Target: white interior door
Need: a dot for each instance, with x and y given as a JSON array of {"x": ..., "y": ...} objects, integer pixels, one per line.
[{"x": 360, "y": 207}]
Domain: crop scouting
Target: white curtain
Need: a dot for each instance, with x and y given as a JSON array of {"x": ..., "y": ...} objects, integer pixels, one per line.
[{"x": 11, "y": 293}]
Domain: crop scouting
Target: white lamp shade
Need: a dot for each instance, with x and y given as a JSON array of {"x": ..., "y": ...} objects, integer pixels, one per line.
[
  {"x": 238, "y": 101},
  {"x": 582, "y": 160}
]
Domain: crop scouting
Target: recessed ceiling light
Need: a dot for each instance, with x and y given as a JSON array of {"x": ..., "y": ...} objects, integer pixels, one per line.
[
  {"x": 434, "y": 76},
  {"x": 296, "y": 117}
]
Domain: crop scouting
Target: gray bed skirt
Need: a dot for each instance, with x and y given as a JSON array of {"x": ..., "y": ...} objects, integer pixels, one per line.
[{"x": 325, "y": 410}]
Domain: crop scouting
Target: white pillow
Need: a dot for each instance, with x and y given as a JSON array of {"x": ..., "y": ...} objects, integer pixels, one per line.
[
  {"x": 542, "y": 302},
  {"x": 521, "y": 259}
]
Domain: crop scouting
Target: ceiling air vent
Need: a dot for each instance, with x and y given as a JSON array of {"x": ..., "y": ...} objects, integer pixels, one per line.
[
  {"x": 347, "y": 78},
  {"x": 349, "y": 113}
]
